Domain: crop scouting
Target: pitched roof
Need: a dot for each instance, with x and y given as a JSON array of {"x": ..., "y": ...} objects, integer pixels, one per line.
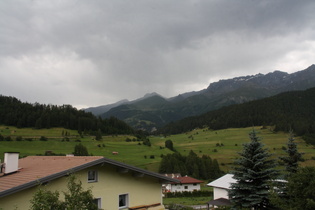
[
  {"x": 187, "y": 180},
  {"x": 223, "y": 182},
  {"x": 34, "y": 170}
]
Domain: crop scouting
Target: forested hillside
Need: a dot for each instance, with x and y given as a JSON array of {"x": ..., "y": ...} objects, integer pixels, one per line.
[
  {"x": 291, "y": 110},
  {"x": 13, "y": 112},
  {"x": 155, "y": 111}
]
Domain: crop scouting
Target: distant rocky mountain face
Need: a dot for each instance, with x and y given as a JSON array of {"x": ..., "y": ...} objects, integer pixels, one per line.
[{"x": 154, "y": 110}]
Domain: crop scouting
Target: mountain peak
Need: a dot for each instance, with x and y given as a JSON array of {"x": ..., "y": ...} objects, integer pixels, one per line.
[{"x": 147, "y": 95}]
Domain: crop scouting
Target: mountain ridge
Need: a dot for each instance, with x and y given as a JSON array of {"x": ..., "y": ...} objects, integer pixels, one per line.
[
  {"x": 292, "y": 110},
  {"x": 153, "y": 110}
]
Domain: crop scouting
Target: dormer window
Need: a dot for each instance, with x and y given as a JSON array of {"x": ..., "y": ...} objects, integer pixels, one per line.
[{"x": 92, "y": 176}]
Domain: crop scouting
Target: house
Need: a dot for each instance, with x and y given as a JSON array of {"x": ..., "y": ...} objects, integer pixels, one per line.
[
  {"x": 186, "y": 184},
  {"x": 220, "y": 190},
  {"x": 114, "y": 185}
]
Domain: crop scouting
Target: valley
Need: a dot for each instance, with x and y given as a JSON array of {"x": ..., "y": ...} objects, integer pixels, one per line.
[{"x": 222, "y": 145}]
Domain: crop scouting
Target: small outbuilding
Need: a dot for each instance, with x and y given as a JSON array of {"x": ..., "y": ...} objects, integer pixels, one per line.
[{"x": 221, "y": 187}]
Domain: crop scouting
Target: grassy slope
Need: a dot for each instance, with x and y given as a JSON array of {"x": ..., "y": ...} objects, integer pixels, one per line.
[{"x": 200, "y": 141}]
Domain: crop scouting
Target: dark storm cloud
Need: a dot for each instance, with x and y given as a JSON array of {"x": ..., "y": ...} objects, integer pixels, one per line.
[{"x": 89, "y": 53}]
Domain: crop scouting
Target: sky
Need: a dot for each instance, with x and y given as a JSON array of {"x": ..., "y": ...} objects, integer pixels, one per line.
[{"x": 98, "y": 52}]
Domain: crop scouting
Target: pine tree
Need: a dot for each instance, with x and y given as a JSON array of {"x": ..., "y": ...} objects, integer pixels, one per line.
[
  {"x": 293, "y": 156},
  {"x": 80, "y": 150},
  {"x": 98, "y": 135},
  {"x": 253, "y": 172},
  {"x": 169, "y": 144},
  {"x": 281, "y": 197}
]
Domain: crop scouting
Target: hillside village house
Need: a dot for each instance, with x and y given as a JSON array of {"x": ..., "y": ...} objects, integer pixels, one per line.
[
  {"x": 220, "y": 190},
  {"x": 186, "y": 184},
  {"x": 114, "y": 185}
]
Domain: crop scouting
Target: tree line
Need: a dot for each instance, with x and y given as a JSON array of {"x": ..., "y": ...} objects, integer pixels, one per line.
[
  {"x": 259, "y": 184},
  {"x": 203, "y": 167},
  {"x": 291, "y": 110},
  {"x": 13, "y": 112}
]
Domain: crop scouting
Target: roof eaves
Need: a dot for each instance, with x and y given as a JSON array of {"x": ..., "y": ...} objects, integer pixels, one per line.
[
  {"x": 139, "y": 170},
  {"x": 49, "y": 178},
  {"x": 81, "y": 167}
]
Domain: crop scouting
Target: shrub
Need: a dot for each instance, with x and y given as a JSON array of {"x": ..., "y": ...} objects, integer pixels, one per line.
[
  {"x": 43, "y": 138},
  {"x": 19, "y": 138},
  {"x": 188, "y": 194},
  {"x": 8, "y": 138}
]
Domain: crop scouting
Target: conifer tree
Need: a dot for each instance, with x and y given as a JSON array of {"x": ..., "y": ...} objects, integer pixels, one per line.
[
  {"x": 80, "y": 150},
  {"x": 293, "y": 156},
  {"x": 253, "y": 172},
  {"x": 281, "y": 197}
]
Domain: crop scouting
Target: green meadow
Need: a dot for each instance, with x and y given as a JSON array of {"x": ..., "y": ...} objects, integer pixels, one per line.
[{"x": 222, "y": 145}]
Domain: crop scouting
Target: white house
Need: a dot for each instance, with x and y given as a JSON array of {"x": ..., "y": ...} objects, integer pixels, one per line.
[
  {"x": 220, "y": 190},
  {"x": 221, "y": 186},
  {"x": 186, "y": 184}
]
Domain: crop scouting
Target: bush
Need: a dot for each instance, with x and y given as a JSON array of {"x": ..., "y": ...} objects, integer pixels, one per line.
[
  {"x": 19, "y": 138},
  {"x": 169, "y": 144},
  {"x": 43, "y": 138},
  {"x": 188, "y": 194},
  {"x": 8, "y": 138}
]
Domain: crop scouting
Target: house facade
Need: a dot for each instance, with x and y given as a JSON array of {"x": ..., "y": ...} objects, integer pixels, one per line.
[
  {"x": 221, "y": 187},
  {"x": 114, "y": 185},
  {"x": 186, "y": 184}
]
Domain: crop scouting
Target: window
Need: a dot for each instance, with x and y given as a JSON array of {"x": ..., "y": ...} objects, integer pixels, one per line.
[
  {"x": 186, "y": 187},
  {"x": 97, "y": 201},
  {"x": 92, "y": 176},
  {"x": 123, "y": 201},
  {"x": 195, "y": 184}
]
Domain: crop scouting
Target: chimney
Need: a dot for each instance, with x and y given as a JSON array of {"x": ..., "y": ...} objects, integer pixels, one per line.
[{"x": 11, "y": 162}]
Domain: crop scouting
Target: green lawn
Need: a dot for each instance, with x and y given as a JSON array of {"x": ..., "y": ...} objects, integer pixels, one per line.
[
  {"x": 201, "y": 141},
  {"x": 204, "y": 141},
  {"x": 187, "y": 200}
]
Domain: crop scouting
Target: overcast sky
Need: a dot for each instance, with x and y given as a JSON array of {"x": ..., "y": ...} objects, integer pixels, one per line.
[{"x": 97, "y": 52}]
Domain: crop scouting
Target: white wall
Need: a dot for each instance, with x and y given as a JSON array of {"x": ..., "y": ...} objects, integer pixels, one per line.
[
  {"x": 220, "y": 193},
  {"x": 181, "y": 187}
]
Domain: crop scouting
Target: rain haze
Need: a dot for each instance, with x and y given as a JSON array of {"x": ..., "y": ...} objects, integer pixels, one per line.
[{"x": 92, "y": 53}]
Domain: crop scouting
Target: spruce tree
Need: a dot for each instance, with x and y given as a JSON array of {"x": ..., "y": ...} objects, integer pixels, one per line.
[
  {"x": 80, "y": 150},
  {"x": 253, "y": 172},
  {"x": 293, "y": 156},
  {"x": 281, "y": 197}
]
